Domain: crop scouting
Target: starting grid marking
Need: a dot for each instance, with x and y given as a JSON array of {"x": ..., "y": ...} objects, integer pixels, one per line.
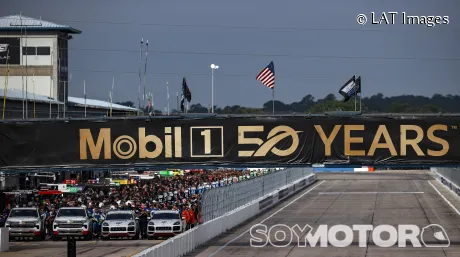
[{"x": 357, "y": 193}]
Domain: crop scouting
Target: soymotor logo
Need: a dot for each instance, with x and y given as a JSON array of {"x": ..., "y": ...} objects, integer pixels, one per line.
[{"x": 281, "y": 235}]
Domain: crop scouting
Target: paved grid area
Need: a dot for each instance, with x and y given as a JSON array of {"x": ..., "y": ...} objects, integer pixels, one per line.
[
  {"x": 406, "y": 197},
  {"x": 112, "y": 248}
]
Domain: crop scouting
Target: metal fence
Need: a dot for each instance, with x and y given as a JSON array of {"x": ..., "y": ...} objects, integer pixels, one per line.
[
  {"x": 218, "y": 201},
  {"x": 453, "y": 174}
]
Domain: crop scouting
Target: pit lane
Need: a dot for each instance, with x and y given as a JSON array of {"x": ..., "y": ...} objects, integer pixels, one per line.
[
  {"x": 98, "y": 248},
  {"x": 389, "y": 197}
]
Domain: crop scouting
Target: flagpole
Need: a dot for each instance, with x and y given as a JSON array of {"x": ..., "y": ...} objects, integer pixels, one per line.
[
  {"x": 177, "y": 101},
  {"x": 356, "y": 95},
  {"x": 139, "y": 89},
  {"x": 273, "y": 100},
  {"x": 33, "y": 80},
  {"x": 111, "y": 95},
  {"x": 108, "y": 103},
  {"x": 5, "y": 90},
  {"x": 153, "y": 104},
  {"x": 22, "y": 63},
  {"x": 167, "y": 91},
  {"x": 149, "y": 102},
  {"x": 27, "y": 76},
  {"x": 59, "y": 80},
  {"x": 51, "y": 81},
  {"x": 51, "y": 95},
  {"x": 145, "y": 71}
]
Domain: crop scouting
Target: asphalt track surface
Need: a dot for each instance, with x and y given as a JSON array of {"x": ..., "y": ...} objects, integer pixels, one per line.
[
  {"x": 389, "y": 197},
  {"x": 405, "y": 197},
  {"x": 111, "y": 248}
]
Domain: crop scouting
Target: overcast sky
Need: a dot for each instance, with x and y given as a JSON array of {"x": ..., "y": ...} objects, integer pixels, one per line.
[{"x": 316, "y": 46}]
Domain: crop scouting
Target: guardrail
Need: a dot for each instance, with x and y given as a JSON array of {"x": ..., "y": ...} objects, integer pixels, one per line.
[
  {"x": 449, "y": 177},
  {"x": 4, "y": 239},
  {"x": 189, "y": 240},
  {"x": 218, "y": 201}
]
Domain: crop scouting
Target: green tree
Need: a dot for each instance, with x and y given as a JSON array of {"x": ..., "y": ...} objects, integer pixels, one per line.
[{"x": 373, "y": 104}]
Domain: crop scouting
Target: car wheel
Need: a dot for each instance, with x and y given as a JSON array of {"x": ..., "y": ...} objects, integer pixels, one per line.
[
  {"x": 55, "y": 238},
  {"x": 105, "y": 238},
  {"x": 150, "y": 238}
]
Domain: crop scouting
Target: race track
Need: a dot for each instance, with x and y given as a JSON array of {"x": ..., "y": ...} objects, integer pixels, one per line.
[
  {"x": 389, "y": 197},
  {"x": 112, "y": 248}
]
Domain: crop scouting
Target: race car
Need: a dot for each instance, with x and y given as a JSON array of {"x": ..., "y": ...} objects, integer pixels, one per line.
[
  {"x": 120, "y": 224},
  {"x": 165, "y": 223}
]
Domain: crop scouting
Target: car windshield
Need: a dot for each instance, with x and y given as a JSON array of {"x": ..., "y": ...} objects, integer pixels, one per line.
[
  {"x": 166, "y": 216},
  {"x": 119, "y": 216},
  {"x": 71, "y": 212},
  {"x": 24, "y": 213}
]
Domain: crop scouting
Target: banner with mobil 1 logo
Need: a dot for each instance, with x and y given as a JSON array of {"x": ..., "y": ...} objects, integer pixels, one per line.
[{"x": 250, "y": 141}]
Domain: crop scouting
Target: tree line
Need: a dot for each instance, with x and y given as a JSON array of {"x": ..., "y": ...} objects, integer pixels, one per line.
[{"x": 373, "y": 104}]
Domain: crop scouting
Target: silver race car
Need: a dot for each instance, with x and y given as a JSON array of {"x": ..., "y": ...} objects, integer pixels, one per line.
[
  {"x": 165, "y": 223},
  {"x": 120, "y": 224}
]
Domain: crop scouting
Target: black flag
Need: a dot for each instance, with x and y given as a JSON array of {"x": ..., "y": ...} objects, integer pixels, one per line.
[
  {"x": 358, "y": 85},
  {"x": 186, "y": 94},
  {"x": 348, "y": 89}
]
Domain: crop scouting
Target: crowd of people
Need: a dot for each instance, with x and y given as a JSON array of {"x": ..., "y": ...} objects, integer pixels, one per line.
[{"x": 179, "y": 192}]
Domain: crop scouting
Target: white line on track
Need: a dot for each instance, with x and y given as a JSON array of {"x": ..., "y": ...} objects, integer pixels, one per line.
[
  {"x": 273, "y": 214},
  {"x": 445, "y": 199},
  {"x": 360, "y": 193}
]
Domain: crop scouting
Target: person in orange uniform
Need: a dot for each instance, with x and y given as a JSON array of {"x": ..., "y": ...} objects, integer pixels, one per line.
[
  {"x": 186, "y": 215},
  {"x": 192, "y": 217}
]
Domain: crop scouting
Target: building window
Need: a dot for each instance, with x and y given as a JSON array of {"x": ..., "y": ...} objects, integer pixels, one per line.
[
  {"x": 29, "y": 50},
  {"x": 43, "y": 50},
  {"x": 36, "y": 50}
]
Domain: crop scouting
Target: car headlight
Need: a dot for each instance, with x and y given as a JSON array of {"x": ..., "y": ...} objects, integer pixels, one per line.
[
  {"x": 105, "y": 224},
  {"x": 151, "y": 223},
  {"x": 131, "y": 224},
  {"x": 7, "y": 224}
]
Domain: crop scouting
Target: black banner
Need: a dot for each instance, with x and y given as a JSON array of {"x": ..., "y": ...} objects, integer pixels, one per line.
[
  {"x": 265, "y": 202},
  {"x": 283, "y": 193},
  {"x": 302, "y": 183},
  {"x": 452, "y": 187},
  {"x": 258, "y": 140},
  {"x": 10, "y": 48}
]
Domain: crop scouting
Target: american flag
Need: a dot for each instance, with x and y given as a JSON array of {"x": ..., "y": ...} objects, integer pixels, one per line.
[{"x": 267, "y": 76}]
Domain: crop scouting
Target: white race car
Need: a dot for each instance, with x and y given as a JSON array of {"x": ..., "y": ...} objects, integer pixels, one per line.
[
  {"x": 120, "y": 224},
  {"x": 165, "y": 223}
]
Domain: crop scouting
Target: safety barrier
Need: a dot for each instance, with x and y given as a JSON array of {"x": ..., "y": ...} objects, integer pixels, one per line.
[
  {"x": 218, "y": 201},
  {"x": 4, "y": 239},
  {"x": 449, "y": 177},
  {"x": 344, "y": 169},
  {"x": 189, "y": 240}
]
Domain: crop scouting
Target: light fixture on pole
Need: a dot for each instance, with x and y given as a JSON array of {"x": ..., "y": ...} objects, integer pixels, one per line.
[{"x": 213, "y": 67}]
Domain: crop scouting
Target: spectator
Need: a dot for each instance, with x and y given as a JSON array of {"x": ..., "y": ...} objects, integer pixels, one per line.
[
  {"x": 143, "y": 220},
  {"x": 180, "y": 192}
]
